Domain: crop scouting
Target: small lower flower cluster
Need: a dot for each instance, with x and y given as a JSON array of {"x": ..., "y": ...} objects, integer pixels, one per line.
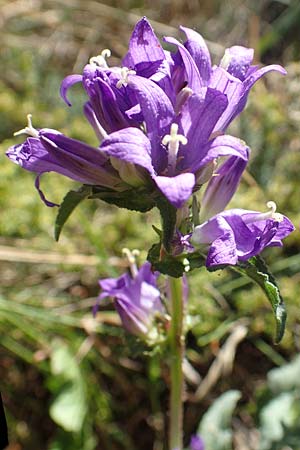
[{"x": 161, "y": 120}]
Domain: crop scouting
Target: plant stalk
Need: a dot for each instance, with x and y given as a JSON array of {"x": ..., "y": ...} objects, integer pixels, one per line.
[{"x": 176, "y": 340}]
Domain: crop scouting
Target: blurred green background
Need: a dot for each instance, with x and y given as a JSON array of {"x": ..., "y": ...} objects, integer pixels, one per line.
[{"x": 68, "y": 381}]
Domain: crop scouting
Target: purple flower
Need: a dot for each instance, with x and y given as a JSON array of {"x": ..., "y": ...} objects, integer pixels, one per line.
[
  {"x": 159, "y": 119},
  {"x": 197, "y": 443},
  {"x": 136, "y": 299},
  {"x": 176, "y": 148},
  {"x": 237, "y": 234},
  {"x": 190, "y": 69},
  {"x": 50, "y": 151}
]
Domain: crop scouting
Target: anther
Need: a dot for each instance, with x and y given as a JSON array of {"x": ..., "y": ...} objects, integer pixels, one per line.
[
  {"x": 29, "y": 129},
  {"x": 100, "y": 60},
  {"x": 125, "y": 72},
  {"x": 131, "y": 257},
  {"x": 172, "y": 141}
]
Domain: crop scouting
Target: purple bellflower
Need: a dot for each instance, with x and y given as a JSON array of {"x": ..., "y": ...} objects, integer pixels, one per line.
[
  {"x": 180, "y": 102},
  {"x": 160, "y": 118},
  {"x": 48, "y": 150},
  {"x": 191, "y": 69},
  {"x": 234, "y": 235},
  {"x": 136, "y": 299},
  {"x": 237, "y": 234}
]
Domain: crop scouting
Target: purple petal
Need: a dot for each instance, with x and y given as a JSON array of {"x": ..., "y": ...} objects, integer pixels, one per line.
[
  {"x": 136, "y": 299},
  {"x": 144, "y": 46},
  {"x": 177, "y": 189},
  {"x": 193, "y": 78},
  {"x": 134, "y": 319},
  {"x": 130, "y": 145},
  {"x": 198, "y": 119},
  {"x": 54, "y": 152},
  {"x": 106, "y": 105},
  {"x": 224, "y": 146},
  {"x": 66, "y": 84},
  {"x": 239, "y": 60},
  {"x": 255, "y": 76},
  {"x": 218, "y": 233},
  {"x": 222, "y": 187},
  {"x": 158, "y": 114},
  {"x": 234, "y": 90},
  {"x": 197, "y": 47},
  {"x": 77, "y": 160}
]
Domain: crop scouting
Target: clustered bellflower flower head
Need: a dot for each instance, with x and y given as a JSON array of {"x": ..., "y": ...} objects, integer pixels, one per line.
[{"x": 161, "y": 121}]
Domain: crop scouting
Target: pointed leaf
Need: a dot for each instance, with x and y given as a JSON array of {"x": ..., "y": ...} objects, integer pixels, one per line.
[
  {"x": 69, "y": 203},
  {"x": 137, "y": 199},
  {"x": 257, "y": 270}
]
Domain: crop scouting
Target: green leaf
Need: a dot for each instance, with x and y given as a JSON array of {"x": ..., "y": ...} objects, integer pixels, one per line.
[
  {"x": 70, "y": 404},
  {"x": 69, "y": 203},
  {"x": 137, "y": 199},
  {"x": 215, "y": 426},
  {"x": 168, "y": 217},
  {"x": 257, "y": 270},
  {"x": 168, "y": 266}
]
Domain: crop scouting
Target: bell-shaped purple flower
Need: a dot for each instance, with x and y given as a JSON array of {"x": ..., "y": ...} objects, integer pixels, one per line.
[
  {"x": 136, "y": 299},
  {"x": 50, "y": 151},
  {"x": 237, "y": 234}
]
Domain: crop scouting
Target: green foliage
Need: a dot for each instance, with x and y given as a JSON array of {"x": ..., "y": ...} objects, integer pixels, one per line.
[
  {"x": 69, "y": 203},
  {"x": 137, "y": 199},
  {"x": 69, "y": 406},
  {"x": 257, "y": 270}
]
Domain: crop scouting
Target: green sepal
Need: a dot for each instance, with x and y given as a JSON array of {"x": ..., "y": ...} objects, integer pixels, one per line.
[
  {"x": 256, "y": 269},
  {"x": 69, "y": 203},
  {"x": 168, "y": 265},
  {"x": 134, "y": 199},
  {"x": 168, "y": 218}
]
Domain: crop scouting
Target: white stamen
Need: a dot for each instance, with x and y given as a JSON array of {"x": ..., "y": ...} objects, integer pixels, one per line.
[
  {"x": 125, "y": 72},
  {"x": 131, "y": 257},
  {"x": 29, "y": 129},
  {"x": 172, "y": 141},
  {"x": 100, "y": 60},
  {"x": 272, "y": 214}
]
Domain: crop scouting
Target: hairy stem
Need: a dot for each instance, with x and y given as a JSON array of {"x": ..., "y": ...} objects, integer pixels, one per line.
[{"x": 176, "y": 339}]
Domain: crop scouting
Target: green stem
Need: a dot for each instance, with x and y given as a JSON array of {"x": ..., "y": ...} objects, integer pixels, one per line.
[{"x": 176, "y": 339}]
